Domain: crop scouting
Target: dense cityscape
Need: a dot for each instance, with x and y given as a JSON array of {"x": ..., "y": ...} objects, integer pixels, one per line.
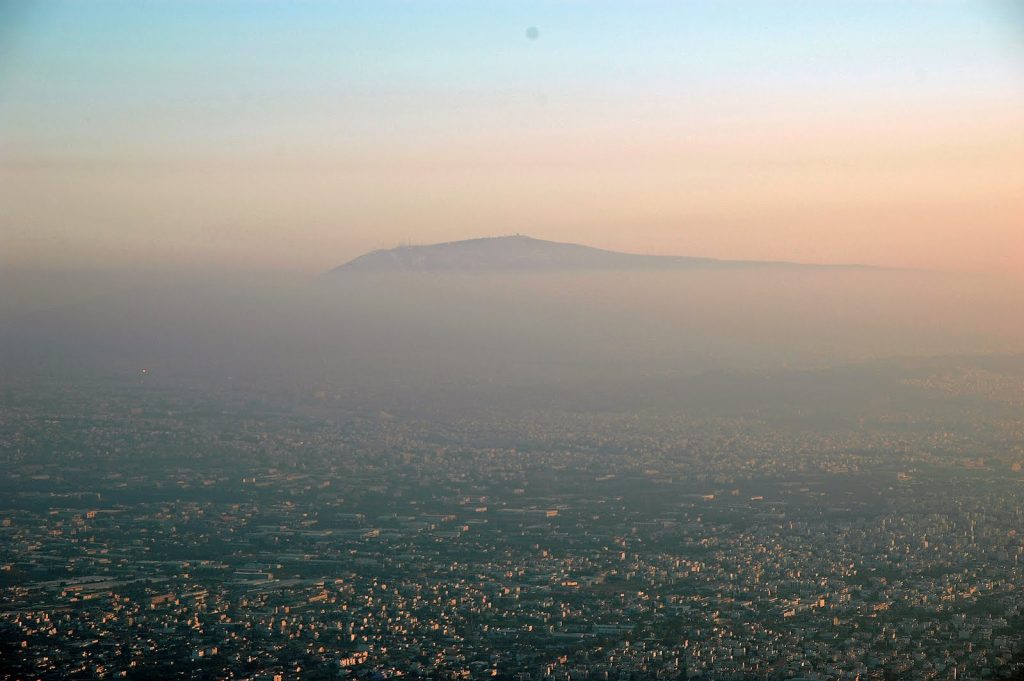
[
  {"x": 511, "y": 341},
  {"x": 157, "y": 532}
]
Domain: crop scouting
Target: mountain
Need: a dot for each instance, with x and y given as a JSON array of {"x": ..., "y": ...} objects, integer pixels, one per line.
[{"x": 523, "y": 253}]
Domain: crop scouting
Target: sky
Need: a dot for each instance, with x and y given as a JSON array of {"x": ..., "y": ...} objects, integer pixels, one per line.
[{"x": 294, "y": 136}]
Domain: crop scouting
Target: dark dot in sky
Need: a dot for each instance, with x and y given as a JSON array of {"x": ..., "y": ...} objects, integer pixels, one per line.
[{"x": 532, "y": 33}]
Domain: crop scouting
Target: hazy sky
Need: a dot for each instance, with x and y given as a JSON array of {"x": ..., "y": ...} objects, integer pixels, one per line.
[{"x": 296, "y": 135}]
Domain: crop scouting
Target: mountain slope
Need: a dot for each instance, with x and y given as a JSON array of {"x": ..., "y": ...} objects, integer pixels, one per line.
[{"x": 511, "y": 253}]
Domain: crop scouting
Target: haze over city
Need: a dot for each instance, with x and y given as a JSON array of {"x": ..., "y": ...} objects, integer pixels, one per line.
[{"x": 519, "y": 341}]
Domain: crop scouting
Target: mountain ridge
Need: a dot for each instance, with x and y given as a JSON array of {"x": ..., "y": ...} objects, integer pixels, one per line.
[{"x": 523, "y": 253}]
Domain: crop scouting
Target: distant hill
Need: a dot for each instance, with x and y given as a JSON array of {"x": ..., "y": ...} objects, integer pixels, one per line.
[{"x": 523, "y": 253}]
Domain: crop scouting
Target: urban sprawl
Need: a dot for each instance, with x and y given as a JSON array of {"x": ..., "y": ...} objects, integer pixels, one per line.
[{"x": 160, "y": 533}]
